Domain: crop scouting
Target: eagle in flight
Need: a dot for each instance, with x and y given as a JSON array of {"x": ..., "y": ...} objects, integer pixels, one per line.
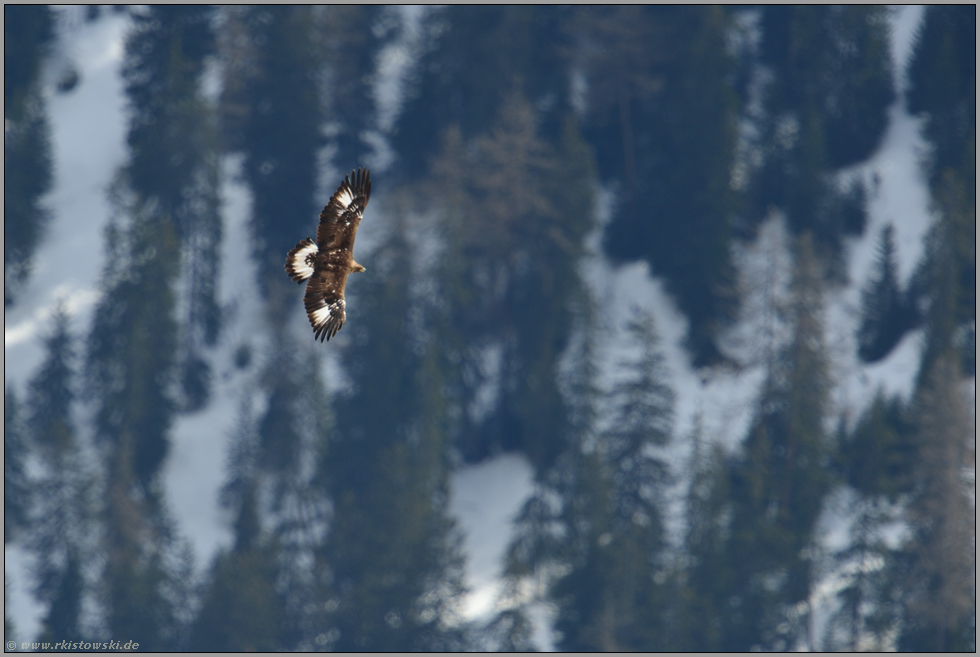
[{"x": 326, "y": 263}]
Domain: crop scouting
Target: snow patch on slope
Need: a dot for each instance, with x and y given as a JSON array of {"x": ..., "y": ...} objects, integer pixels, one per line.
[
  {"x": 485, "y": 499},
  {"x": 88, "y": 146}
]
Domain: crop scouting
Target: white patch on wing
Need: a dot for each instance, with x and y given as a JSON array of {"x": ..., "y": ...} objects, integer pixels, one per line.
[
  {"x": 321, "y": 315},
  {"x": 301, "y": 261},
  {"x": 344, "y": 197}
]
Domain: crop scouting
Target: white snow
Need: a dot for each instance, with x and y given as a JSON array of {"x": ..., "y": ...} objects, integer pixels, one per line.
[{"x": 485, "y": 499}]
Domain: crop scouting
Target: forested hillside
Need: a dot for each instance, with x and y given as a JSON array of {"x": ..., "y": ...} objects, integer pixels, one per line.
[{"x": 653, "y": 256}]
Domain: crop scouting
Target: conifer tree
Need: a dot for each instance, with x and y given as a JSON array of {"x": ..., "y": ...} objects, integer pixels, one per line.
[
  {"x": 611, "y": 598},
  {"x": 279, "y": 514},
  {"x": 777, "y": 486},
  {"x": 291, "y": 437},
  {"x": 62, "y": 531},
  {"x": 662, "y": 118},
  {"x": 352, "y": 39},
  {"x": 594, "y": 529},
  {"x": 16, "y": 486},
  {"x": 165, "y": 199},
  {"x": 52, "y": 391},
  {"x": 836, "y": 61},
  {"x": 28, "y": 31},
  {"x": 16, "y": 483},
  {"x": 942, "y": 74},
  {"x": 939, "y": 601},
  {"x": 131, "y": 349},
  {"x": 884, "y": 318},
  {"x": 393, "y": 570},
  {"x": 866, "y": 618},
  {"x": 241, "y": 608},
  {"x": 289, "y": 70},
  {"x": 703, "y": 573},
  {"x": 281, "y": 118},
  {"x": 173, "y": 166},
  {"x": 475, "y": 57},
  {"x": 946, "y": 277},
  {"x": 825, "y": 108},
  {"x": 878, "y": 456},
  {"x": 514, "y": 212}
]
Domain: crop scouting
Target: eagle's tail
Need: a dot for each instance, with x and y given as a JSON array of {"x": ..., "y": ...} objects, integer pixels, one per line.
[{"x": 299, "y": 260}]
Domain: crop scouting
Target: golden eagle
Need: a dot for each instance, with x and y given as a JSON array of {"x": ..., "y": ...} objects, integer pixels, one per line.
[{"x": 327, "y": 262}]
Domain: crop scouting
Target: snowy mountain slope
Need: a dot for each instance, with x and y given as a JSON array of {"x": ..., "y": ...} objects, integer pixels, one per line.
[
  {"x": 88, "y": 146},
  {"x": 486, "y": 497}
]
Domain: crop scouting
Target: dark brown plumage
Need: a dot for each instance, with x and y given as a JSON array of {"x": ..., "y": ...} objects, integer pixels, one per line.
[{"x": 326, "y": 263}]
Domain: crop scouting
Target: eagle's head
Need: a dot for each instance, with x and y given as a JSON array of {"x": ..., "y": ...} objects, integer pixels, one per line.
[{"x": 355, "y": 267}]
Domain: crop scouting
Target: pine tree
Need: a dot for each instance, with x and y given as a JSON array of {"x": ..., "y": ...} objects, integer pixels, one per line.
[
  {"x": 866, "y": 618},
  {"x": 167, "y": 192},
  {"x": 173, "y": 167},
  {"x": 51, "y": 391},
  {"x": 777, "y": 485},
  {"x": 281, "y": 120},
  {"x": 28, "y": 31},
  {"x": 241, "y": 608},
  {"x": 8, "y": 625},
  {"x": 16, "y": 482},
  {"x": 609, "y": 603},
  {"x": 674, "y": 110},
  {"x": 942, "y": 74},
  {"x": 825, "y": 108},
  {"x": 593, "y": 532},
  {"x": 834, "y": 61},
  {"x": 282, "y": 82},
  {"x": 939, "y": 600},
  {"x": 131, "y": 350},
  {"x": 514, "y": 212},
  {"x": 476, "y": 57},
  {"x": 878, "y": 456},
  {"x": 392, "y": 567},
  {"x": 703, "y": 574},
  {"x": 353, "y": 37},
  {"x": 946, "y": 277},
  {"x": 292, "y": 435},
  {"x": 165, "y": 199},
  {"x": 884, "y": 318},
  {"x": 62, "y": 528}
]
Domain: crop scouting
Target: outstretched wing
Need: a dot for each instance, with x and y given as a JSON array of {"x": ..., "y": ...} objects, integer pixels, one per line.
[
  {"x": 301, "y": 260},
  {"x": 324, "y": 299},
  {"x": 342, "y": 214}
]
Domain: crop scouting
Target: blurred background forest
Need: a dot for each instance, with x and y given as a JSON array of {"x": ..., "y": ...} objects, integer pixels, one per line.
[{"x": 517, "y": 152}]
